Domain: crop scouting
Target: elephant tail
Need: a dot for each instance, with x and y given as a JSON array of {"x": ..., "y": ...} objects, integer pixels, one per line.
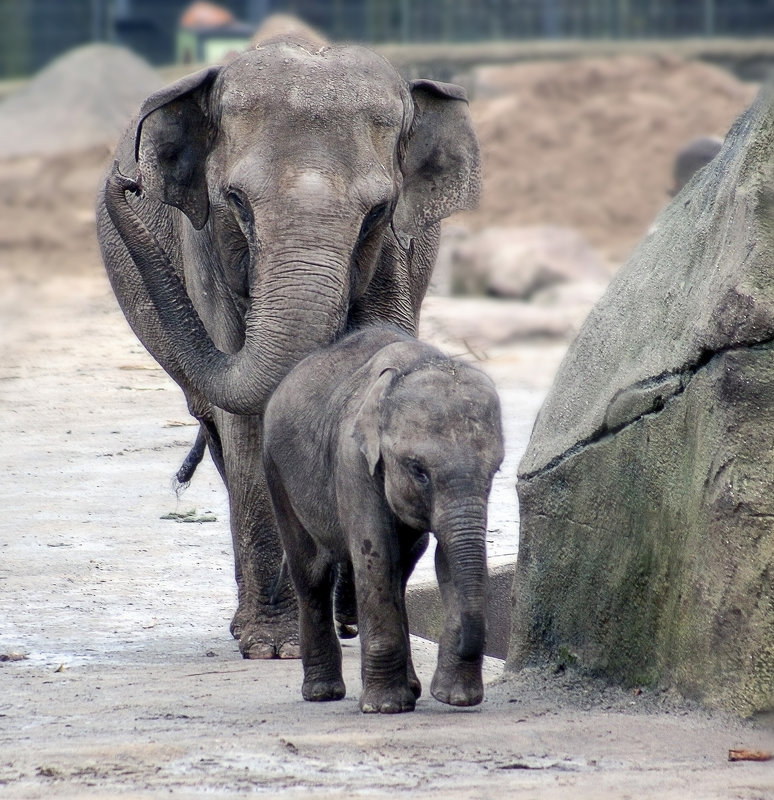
[
  {"x": 192, "y": 460},
  {"x": 276, "y": 590}
]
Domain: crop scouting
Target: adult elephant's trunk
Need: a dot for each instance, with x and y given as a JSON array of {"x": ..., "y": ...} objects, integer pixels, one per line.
[
  {"x": 462, "y": 574},
  {"x": 288, "y": 317}
]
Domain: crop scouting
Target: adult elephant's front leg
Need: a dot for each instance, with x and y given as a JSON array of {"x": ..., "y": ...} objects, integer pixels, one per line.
[{"x": 266, "y": 620}]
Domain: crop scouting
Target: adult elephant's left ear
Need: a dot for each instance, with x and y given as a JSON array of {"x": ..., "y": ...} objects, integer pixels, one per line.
[{"x": 442, "y": 163}]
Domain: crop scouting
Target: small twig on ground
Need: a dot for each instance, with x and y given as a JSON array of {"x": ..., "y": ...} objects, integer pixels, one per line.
[{"x": 750, "y": 755}]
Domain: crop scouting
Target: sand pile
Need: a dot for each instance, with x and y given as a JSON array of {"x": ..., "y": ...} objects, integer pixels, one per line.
[
  {"x": 56, "y": 135},
  {"x": 83, "y": 99},
  {"x": 590, "y": 144}
]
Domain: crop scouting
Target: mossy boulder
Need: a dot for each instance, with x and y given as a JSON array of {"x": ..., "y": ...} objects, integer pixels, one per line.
[{"x": 647, "y": 490}]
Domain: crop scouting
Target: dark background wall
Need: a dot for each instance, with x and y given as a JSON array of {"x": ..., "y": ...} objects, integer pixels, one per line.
[{"x": 33, "y": 32}]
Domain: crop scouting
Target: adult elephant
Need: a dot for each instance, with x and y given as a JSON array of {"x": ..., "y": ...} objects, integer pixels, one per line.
[{"x": 254, "y": 213}]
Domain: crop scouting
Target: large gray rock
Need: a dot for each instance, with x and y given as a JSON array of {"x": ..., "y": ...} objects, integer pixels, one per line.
[{"x": 646, "y": 492}]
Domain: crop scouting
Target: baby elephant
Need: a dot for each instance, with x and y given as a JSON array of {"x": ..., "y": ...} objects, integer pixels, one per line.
[{"x": 369, "y": 445}]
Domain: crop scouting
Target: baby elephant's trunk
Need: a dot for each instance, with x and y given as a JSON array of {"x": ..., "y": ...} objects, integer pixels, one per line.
[
  {"x": 462, "y": 539},
  {"x": 472, "y": 637}
]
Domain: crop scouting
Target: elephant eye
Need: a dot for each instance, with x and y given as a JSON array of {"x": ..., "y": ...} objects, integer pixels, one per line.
[
  {"x": 239, "y": 205},
  {"x": 418, "y": 472},
  {"x": 371, "y": 219}
]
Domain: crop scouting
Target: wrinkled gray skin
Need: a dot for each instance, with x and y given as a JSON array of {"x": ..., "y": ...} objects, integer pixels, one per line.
[
  {"x": 371, "y": 444},
  {"x": 255, "y": 213}
]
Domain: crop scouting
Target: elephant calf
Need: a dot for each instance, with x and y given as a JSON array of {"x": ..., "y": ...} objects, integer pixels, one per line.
[{"x": 371, "y": 444}]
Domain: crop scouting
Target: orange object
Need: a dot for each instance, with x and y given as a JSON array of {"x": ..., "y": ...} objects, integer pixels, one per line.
[
  {"x": 205, "y": 15},
  {"x": 750, "y": 755}
]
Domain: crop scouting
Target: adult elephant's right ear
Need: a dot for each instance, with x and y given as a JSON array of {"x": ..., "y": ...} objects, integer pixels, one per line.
[
  {"x": 442, "y": 162},
  {"x": 171, "y": 145}
]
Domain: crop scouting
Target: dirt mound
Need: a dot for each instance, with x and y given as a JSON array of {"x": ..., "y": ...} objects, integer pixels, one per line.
[
  {"x": 590, "y": 144},
  {"x": 81, "y": 100},
  {"x": 587, "y": 144}
]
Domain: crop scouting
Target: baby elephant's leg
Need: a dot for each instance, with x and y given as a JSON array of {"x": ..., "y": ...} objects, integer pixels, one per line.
[
  {"x": 312, "y": 576},
  {"x": 411, "y": 551},
  {"x": 385, "y": 666},
  {"x": 345, "y": 601},
  {"x": 320, "y": 649}
]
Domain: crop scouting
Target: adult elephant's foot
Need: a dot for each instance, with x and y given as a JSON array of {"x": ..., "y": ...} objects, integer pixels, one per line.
[
  {"x": 267, "y": 631},
  {"x": 413, "y": 680},
  {"x": 270, "y": 640},
  {"x": 239, "y": 621},
  {"x": 391, "y": 700},
  {"x": 459, "y": 686}
]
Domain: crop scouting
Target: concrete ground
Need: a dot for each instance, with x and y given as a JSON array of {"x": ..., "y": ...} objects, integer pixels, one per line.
[{"x": 117, "y": 674}]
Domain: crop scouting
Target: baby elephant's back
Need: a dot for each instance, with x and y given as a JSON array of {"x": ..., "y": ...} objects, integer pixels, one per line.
[{"x": 305, "y": 395}]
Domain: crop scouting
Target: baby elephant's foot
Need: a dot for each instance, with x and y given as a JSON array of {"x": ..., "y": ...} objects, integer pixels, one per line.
[
  {"x": 318, "y": 690},
  {"x": 394, "y": 700},
  {"x": 463, "y": 687},
  {"x": 345, "y": 631}
]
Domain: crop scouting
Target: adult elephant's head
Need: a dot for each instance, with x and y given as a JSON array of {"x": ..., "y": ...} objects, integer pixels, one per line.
[{"x": 298, "y": 166}]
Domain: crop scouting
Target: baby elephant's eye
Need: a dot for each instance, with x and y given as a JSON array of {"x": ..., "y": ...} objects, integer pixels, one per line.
[{"x": 418, "y": 473}]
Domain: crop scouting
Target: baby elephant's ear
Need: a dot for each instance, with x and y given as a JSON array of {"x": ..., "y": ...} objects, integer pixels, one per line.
[{"x": 366, "y": 431}]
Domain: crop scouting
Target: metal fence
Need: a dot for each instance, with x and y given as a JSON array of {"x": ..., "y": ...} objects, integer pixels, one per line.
[
  {"x": 32, "y": 32},
  {"x": 477, "y": 20}
]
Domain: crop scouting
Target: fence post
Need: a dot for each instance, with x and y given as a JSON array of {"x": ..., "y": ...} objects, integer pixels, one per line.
[
  {"x": 627, "y": 29},
  {"x": 709, "y": 17}
]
